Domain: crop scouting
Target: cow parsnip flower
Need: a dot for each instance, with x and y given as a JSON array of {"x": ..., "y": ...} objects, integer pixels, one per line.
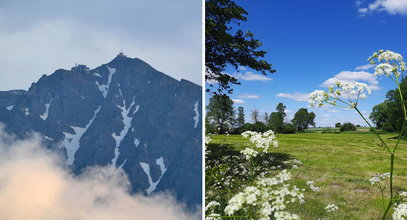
[
  {"x": 390, "y": 64},
  {"x": 268, "y": 196},
  {"x": 347, "y": 93},
  {"x": 331, "y": 208},
  {"x": 400, "y": 212},
  {"x": 261, "y": 140}
]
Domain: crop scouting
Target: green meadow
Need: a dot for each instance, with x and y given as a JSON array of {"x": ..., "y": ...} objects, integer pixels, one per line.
[{"x": 340, "y": 164}]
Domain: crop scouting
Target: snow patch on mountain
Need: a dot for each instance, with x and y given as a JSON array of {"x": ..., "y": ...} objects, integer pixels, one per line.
[
  {"x": 104, "y": 89},
  {"x": 127, "y": 124},
  {"x": 160, "y": 162},
  {"x": 124, "y": 162},
  {"x": 26, "y": 112},
  {"x": 44, "y": 116},
  {"x": 196, "y": 117},
  {"x": 97, "y": 74},
  {"x": 71, "y": 142},
  {"x": 136, "y": 142},
  {"x": 10, "y": 107},
  {"x": 146, "y": 169}
]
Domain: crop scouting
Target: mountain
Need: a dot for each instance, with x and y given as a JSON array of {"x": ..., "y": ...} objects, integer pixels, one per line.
[{"x": 124, "y": 114}]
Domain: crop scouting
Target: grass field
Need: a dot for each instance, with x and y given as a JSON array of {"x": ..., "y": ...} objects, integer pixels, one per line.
[{"x": 340, "y": 164}]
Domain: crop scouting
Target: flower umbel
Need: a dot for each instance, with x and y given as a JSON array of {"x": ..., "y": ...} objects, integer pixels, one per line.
[
  {"x": 390, "y": 64},
  {"x": 347, "y": 93}
]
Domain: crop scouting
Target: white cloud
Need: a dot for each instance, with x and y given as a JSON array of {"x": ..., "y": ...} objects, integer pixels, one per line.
[
  {"x": 248, "y": 96},
  {"x": 250, "y": 76},
  {"x": 238, "y": 101},
  {"x": 365, "y": 67},
  {"x": 357, "y": 3},
  {"x": 333, "y": 110},
  {"x": 353, "y": 76},
  {"x": 300, "y": 97},
  {"x": 41, "y": 36},
  {"x": 36, "y": 185},
  {"x": 390, "y": 6}
]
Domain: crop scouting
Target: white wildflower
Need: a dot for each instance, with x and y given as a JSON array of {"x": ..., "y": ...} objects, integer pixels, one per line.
[
  {"x": 249, "y": 153},
  {"x": 378, "y": 177},
  {"x": 261, "y": 140},
  {"x": 211, "y": 205},
  {"x": 347, "y": 93},
  {"x": 391, "y": 64},
  {"x": 270, "y": 195},
  {"x": 312, "y": 186},
  {"x": 400, "y": 212},
  {"x": 331, "y": 208}
]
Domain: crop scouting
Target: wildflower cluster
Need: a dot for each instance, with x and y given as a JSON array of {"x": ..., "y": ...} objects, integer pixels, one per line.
[
  {"x": 400, "y": 211},
  {"x": 268, "y": 197},
  {"x": 391, "y": 64},
  {"x": 312, "y": 186},
  {"x": 331, "y": 208},
  {"x": 261, "y": 181},
  {"x": 347, "y": 93},
  {"x": 376, "y": 179}
]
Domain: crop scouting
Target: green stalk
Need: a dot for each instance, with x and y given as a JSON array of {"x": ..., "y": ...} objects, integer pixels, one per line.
[
  {"x": 391, "y": 186},
  {"x": 394, "y": 150}
]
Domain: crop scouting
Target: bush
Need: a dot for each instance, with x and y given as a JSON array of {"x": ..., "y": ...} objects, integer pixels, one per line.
[
  {"x": 289, "y": 129},
  {"x": 348, "y": 127}
]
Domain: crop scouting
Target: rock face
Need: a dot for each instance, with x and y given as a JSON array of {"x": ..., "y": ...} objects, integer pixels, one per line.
[{"x": 124, "y": 114}]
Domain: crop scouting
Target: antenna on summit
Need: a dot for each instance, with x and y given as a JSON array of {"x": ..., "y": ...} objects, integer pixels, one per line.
[{"x": 121, "y": 53}]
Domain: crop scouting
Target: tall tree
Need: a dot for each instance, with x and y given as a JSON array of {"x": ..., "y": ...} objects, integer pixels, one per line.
[
  {"x": 276, "y": 119},
  {"x": 388, "y": 115},
  {"x": 220, "y": 112},
  {"x": 266, "y": 118},
  {"x": 240, "y": 116},
  {"x": 302, "y": 119},
  {"x": 227, "y": 46},
  {"x": 276, "y": 122},
  {"x": 255, "y": 116},
  {"x": 281, "y": 109}
]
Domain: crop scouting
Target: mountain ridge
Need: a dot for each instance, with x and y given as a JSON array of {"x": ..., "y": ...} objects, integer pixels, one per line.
[{"x": 124, "y": 114}]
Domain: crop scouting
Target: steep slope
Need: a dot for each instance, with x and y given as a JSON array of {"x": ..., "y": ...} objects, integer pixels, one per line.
[{"x": 123, "y": 114}]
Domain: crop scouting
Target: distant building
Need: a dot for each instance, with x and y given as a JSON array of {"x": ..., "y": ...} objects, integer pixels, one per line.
[
  {"x": 121, "y": 54},
  {"x": 80, "y": 68}
]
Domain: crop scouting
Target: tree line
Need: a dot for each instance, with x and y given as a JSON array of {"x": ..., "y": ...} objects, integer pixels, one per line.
[{"x": 222, "y": 118}]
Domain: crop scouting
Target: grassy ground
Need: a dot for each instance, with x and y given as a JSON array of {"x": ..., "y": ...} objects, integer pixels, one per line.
[{"x": 341, "y": 165}]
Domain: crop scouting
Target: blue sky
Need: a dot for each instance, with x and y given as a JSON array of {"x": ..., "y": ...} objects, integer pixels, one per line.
[{"x": 310, "y": 42}]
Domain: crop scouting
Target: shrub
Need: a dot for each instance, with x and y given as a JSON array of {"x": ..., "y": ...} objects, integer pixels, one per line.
[
  {"x": 289, "y": 129},
  {"x": 348, "y": 127}
]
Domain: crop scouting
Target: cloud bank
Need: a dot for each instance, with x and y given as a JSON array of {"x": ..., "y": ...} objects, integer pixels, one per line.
[
  {"x": 390, "y": 6},
  {"x": 250, "y": 76},
  {"x": 297, "y": 96},
  {"x": 353, "y": 76},
  {"x": 34, "y": 185}
]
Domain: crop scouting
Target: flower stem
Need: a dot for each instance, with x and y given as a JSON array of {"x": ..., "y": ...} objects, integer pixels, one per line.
[{"x": 391, "y": 186}]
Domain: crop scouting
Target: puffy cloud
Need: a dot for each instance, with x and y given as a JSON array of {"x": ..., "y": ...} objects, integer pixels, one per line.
[
  {"x": 297, "y": 96},
  {"x": 353, "y": 76},
  {"x": 34, "y": 184},
  {"x": 364, "y": 67},
  {"x": 238, "y": 101},
  {"x": 390, "y": 6},
  {"x": 250, "y": 76},
  {"x": 248, "y": 96}
]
